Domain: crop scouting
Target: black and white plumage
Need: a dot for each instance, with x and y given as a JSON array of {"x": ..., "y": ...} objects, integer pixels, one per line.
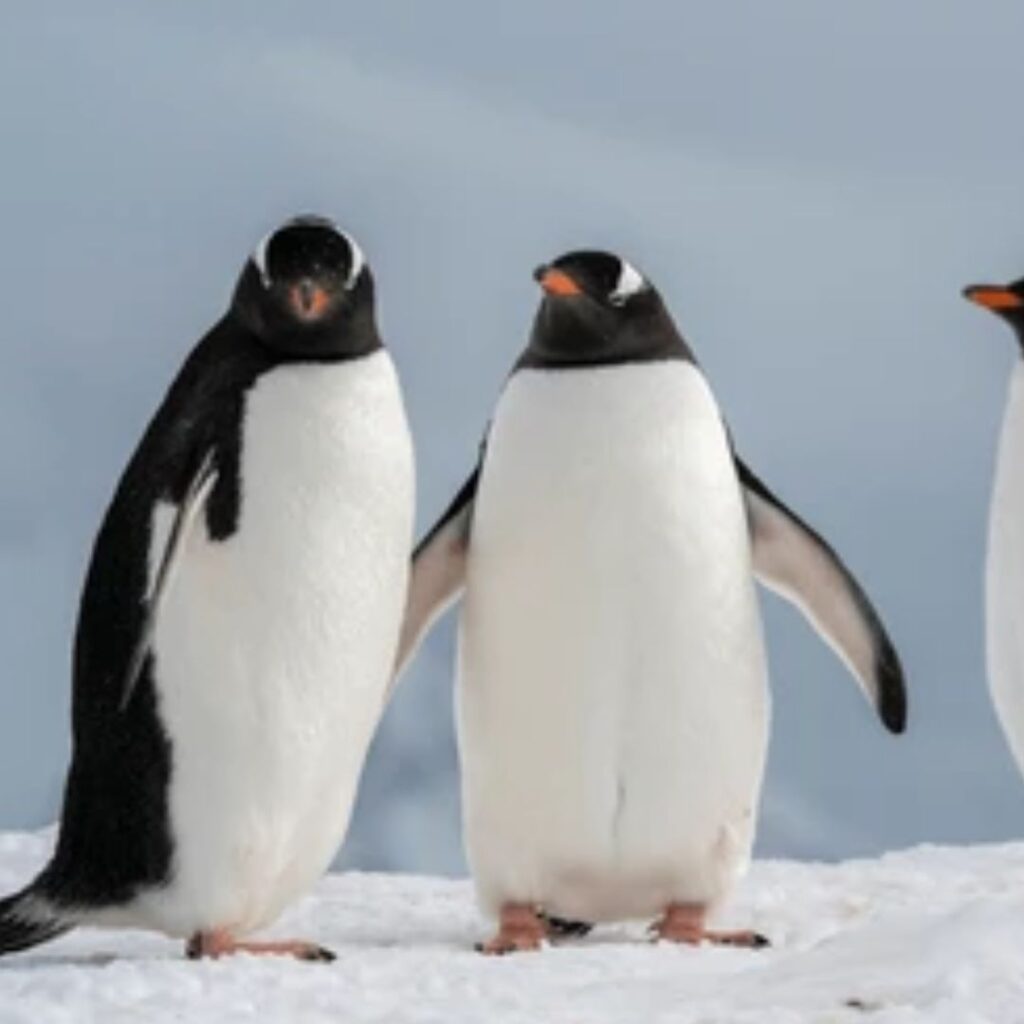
[
  {"x": 613, "y": 704},
  {"x": 240, "y": 614},
  {"x": 1004, "y": 573}
]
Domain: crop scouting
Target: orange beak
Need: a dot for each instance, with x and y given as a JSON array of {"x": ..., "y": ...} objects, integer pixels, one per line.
[
  {"x": 557, "y": 282},
  {"x": 308, "y": 300},
  {"x": 992, "y": 297}
]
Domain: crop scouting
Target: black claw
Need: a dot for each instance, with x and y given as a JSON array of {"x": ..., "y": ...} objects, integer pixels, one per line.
[
  {"x": 319, "y": 955},
  {"x": 755, "y": 940}
]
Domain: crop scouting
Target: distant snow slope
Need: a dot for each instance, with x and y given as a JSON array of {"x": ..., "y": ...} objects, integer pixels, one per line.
[{"x": 931, "y": 934}]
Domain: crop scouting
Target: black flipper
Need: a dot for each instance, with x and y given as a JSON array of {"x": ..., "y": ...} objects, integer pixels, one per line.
[
  {"x": 198, "y": 490},
  {"x": 793, "y": 560},
  {"x": 438, "y": 571},
  {"x": 27, "y": 920}
]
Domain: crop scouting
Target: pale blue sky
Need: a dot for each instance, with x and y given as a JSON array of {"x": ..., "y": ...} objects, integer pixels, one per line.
[{"x": 810, "y": 184}]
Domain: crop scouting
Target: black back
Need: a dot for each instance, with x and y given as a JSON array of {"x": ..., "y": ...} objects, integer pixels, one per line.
[
  {"x": 115, "y": 837},
  {"x": 599, "y": 326}
]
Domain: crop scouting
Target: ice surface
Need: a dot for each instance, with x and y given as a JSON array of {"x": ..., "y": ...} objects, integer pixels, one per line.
[{"x": 931, "y": 934}]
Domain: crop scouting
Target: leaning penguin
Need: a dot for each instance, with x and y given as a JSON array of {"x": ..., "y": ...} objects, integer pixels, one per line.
[
  {"x": 1004, "y": 575},
  {"x": 239, "y": 619},
  {"x": 612, "y": 690}
]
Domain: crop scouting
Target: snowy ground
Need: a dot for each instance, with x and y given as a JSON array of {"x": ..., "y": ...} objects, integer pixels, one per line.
[{"x": 932, "y": 934}]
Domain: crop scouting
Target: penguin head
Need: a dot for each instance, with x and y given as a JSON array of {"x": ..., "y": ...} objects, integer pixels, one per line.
[
  {"x": 307, "y": 292},
  {"x": 1006, "y": 301},
  {"x": 598, "y": 308}
]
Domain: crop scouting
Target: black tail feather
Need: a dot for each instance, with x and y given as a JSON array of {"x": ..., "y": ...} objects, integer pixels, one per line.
[
  {"x": 26, "y": 920},
  {"x": 563, "y": 928}
]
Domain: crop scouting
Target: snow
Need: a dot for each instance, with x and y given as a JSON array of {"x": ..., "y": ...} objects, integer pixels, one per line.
[{"x": 931, "y": 934}]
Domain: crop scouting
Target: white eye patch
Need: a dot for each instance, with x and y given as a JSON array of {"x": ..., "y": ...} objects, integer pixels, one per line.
[
  {"x": 358, "y": 259},
  {"x": 630, "y": 282},
  {"x": 259, "y": 257}
]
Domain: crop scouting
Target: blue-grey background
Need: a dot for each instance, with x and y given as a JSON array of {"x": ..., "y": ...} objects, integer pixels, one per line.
[{"x": 810, "y": 184}]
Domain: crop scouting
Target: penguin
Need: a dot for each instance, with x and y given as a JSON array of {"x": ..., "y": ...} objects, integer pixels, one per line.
[
  {"x": 1004, "y": 574},
  {"x": 612, "y": 700},
  {"x": 238, "y": 620}
]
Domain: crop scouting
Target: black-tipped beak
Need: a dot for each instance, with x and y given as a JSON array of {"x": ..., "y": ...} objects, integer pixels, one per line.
[
  {"x": 994, "y": 297},
  {"x": 308, "y": 299}
]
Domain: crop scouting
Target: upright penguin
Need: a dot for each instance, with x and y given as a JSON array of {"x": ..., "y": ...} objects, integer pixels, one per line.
[
  {"x": 1004, "y": 574},
  {"x": 612, "y": 698},
  {"x": 239, "y": 619}
]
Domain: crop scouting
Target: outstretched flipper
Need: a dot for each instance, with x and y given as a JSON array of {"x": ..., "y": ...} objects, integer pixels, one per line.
[
  {"x": 793, "y": 560},
  {"x": 438, "y": 571},
  {"x": 191, "y": 504}
]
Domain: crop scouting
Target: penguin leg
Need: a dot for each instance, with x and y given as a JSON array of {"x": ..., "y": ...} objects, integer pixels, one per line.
[
  {"x": 520, "y": 929},
  {"x": 685, "y": 923},
  {"x": 218, "y": 943}
]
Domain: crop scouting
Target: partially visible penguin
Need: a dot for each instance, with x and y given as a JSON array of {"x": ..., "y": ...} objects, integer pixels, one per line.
[
  {"x": 612, "y": 693},
  {"x": 1004, "y": 577},
  {"x": 239, "y": 619}
]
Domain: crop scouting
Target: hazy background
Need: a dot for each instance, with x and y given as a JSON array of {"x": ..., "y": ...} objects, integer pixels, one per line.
[{"x": 810, "y": 185}]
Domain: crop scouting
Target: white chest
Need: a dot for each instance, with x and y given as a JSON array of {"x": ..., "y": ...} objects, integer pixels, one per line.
[
  {"x": 273, "y": 649},
  {"x": 1005, "y": 573},
  {"x": 611, "y": 663}
]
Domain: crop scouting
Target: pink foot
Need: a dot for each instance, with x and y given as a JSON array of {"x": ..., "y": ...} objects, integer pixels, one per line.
[
  {"x": 520, "y": 930},
  {"x": 684, "y": 923},
  {"x": 216, "y": 944}
]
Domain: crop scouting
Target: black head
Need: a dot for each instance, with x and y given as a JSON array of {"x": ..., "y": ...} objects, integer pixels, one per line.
[
  {"x": 1006, "y": 301},
  {"x": 599, "y": 309},
  {"x": 307, "y": 293}
]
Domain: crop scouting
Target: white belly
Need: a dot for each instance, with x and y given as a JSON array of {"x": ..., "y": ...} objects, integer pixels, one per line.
[
  {"x": 273, "y": 649},
  {"x": 1005, "y": 574},
  {"x": 612, "y": 694}
]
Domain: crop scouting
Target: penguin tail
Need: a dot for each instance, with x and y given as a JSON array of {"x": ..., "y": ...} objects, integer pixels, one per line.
[
  {"x": 28, "y": 919},
  {"x": 563, "y": 928}
]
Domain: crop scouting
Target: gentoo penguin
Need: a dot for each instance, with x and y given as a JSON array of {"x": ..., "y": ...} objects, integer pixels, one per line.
[
  {"x": 239, "y": 619},
  {"x": 1004, "y": 582},
  {"x": 612, "y": 684}
]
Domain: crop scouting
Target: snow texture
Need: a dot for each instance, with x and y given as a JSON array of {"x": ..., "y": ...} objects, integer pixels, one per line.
[{"x": 932, "y": 934}]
